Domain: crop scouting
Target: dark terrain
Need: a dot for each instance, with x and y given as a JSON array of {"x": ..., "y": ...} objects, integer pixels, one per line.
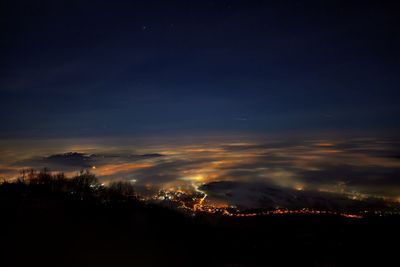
[{"x": 53, "y": 221}]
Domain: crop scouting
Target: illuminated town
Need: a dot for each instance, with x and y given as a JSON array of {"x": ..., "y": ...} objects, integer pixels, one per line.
[{"x": 195, "y": 203}]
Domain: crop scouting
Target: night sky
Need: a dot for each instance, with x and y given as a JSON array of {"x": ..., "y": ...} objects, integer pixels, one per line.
[
  {"x": 101, "y": 68},
  {"x": 99, "y": 77}
]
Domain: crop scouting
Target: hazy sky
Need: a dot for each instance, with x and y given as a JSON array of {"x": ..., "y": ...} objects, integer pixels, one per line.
[{"x": 101, "y": 68}]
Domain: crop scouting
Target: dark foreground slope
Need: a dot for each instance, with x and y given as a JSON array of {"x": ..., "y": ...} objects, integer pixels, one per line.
[{"x": 41, "y": 225}]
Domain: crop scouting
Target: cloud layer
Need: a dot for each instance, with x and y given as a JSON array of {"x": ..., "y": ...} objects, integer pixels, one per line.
[{"x": 358, "y": 168}]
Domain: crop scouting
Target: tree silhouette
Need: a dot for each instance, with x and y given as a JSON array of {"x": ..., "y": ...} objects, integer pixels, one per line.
[{"x": 121, "y": 191}]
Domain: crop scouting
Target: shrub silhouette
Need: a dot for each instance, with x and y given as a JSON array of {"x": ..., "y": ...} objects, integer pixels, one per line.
[
  {"x": 84, "y": 184},
  {"x": 85, "y": 180},
  {"x": 120, "y": 191},
  {"x": 122, "y": 188}
]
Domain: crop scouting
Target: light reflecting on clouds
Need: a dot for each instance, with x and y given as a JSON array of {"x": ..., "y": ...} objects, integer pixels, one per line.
[{"x": 359, "y": 167}]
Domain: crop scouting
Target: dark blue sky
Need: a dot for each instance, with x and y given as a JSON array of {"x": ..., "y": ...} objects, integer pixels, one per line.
[{"x": 100, "y": 68}]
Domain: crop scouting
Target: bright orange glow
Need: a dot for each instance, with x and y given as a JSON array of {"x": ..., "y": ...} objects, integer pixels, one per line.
[
  {"x": 126, "y": 167},
  {"x": 325, "y": 144},
  {"x": 299, "y": 187}
]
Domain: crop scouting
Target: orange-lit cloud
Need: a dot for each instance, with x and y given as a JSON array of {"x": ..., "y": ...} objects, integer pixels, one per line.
[
  {"x": 367, "y": 167},
  {"x": 121, "y": 168}
]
